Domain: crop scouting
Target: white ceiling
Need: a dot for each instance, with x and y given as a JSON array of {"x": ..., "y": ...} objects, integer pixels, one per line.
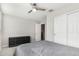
[{"x": 21, "y": 9}]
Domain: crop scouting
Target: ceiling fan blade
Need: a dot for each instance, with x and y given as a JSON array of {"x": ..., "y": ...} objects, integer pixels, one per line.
[
  {"x": 33, "y": 4},
  {"x": 42, "y": 9},
  {"x": 50, "y": 10},
  {"x": 30, "y": 11}
]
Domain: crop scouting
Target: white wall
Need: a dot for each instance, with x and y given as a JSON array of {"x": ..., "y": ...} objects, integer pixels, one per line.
[{"x": 14, "y": 26}]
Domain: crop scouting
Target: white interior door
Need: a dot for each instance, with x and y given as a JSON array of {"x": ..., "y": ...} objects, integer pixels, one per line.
[
  {"x": 73, "y": 29},
  {"x": 60, "y": 29},
  {"x": 38, "y": 32}
]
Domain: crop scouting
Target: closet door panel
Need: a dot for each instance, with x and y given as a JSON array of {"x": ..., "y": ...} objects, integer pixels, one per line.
[
  {"x": 60, "y": 38},
  {"x": 73, "y": 40},
  {"x": 77, "y": 17},
  {"x": 60, "y": 24},
  {"x": 60, "y": 29},
  {"x": 72, "y": 24},
  {"x": 73, "y": 29},
  {"x": 0, "y": 30}
]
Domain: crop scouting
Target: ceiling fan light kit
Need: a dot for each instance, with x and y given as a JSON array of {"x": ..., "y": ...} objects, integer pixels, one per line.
[{"x": 34, "y": 10}]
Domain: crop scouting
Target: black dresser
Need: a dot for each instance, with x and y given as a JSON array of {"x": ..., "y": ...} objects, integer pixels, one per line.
[{"x": 15, "y": 41}]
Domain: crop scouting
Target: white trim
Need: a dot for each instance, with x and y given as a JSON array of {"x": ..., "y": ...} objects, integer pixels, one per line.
[
  {"x": 66, "y": 29},
  {"x": 72, "y": 12}
]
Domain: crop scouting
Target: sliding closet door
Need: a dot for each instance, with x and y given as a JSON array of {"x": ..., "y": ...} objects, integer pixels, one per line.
[
  {"x": 60, "y": 33},
  {"x": 73, "y": 29},
  {"x": 0, "y": 31}
]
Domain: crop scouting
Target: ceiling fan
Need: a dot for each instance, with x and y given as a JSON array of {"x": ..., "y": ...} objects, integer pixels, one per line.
[{"x": 36, "y": 8}]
